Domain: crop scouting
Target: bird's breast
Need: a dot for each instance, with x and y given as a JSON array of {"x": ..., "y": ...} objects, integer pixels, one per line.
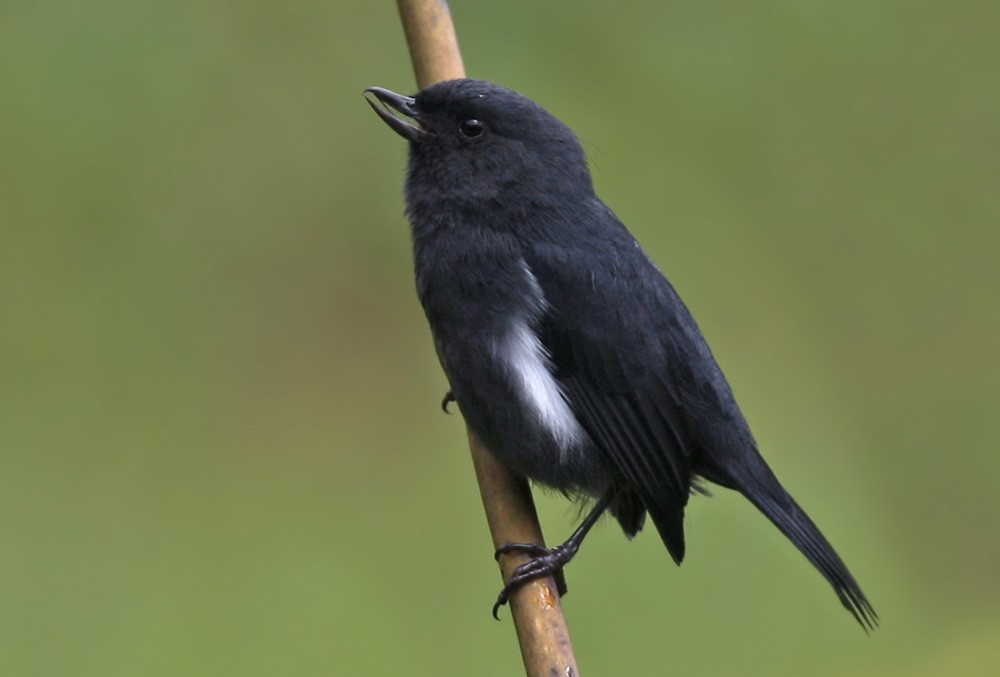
[{"x": 484, "y": 305}]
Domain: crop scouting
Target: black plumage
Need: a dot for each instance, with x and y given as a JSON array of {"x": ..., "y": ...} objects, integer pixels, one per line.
[{"x": 568, "y": 352}]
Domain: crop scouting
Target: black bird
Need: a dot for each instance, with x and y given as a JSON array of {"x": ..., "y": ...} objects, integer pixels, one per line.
[{"x": 568, "y": 352}]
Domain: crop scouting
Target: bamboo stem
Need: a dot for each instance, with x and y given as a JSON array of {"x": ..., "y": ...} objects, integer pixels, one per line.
[
  {"x": 510, "y": 512},
  {"x": 431, "y": 38}
]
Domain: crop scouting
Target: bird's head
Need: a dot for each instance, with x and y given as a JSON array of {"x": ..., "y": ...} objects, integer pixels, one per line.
[{"x": 477, "y": 143}]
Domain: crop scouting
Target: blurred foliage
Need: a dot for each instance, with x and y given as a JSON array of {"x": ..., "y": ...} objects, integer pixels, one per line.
[{"x": 220, "y": 444}]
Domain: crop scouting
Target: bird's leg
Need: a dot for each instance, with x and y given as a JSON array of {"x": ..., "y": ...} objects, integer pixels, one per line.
[
  {"x": 547, "y": 561},
  {"x": 449, "y": 397}
]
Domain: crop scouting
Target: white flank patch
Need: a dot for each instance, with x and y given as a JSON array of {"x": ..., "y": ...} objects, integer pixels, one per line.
[{"x": 528, "y": 361}]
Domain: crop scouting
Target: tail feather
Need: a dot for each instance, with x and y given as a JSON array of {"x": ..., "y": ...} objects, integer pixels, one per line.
[
  {"x": 754, "y": 479},
  {"x": 765, "y": 492}
]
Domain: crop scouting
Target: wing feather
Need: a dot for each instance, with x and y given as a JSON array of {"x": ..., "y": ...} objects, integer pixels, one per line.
[{"x": 614, "y": 364}]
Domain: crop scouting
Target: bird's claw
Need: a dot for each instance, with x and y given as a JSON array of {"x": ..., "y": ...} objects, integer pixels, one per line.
[
  {"x": 449, "y": 397},
  {"x": 544, "y": 562},
  {"x": 532, "y": 549}
]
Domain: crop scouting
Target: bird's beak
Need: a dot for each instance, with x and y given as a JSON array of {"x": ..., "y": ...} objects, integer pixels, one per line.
[{"x": 405, "y": 105}]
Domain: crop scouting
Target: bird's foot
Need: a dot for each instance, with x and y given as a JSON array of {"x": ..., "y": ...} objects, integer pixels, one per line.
[
  {"x": 544, "y": 562},
  {"x": 449, "y": 397}
]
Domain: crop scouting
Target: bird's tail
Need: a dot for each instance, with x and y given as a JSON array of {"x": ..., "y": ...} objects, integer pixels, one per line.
[{"x": 762, "y": 488}]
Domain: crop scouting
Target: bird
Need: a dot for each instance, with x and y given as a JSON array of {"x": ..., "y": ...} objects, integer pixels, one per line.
[{"x": 566, "y": 349}]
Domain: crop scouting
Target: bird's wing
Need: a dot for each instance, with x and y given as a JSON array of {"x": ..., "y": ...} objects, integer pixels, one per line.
[{"x": 619, "y": 341}]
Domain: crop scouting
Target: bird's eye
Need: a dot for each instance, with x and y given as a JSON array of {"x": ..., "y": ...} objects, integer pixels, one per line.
[{"x": 472, "y": 128}]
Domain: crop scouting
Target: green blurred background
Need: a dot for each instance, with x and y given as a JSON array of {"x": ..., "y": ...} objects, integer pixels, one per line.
[{"x": 221, "y": 451}]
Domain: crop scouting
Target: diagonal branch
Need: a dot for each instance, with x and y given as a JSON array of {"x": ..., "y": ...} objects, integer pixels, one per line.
[{"x": 510, "y": 511}]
